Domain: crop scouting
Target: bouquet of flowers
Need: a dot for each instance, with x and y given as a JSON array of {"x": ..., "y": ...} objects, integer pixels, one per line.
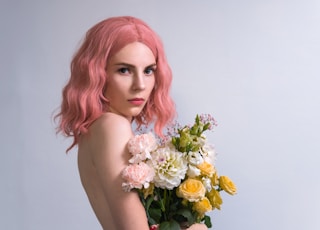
[{"x": 175, "y": 176}]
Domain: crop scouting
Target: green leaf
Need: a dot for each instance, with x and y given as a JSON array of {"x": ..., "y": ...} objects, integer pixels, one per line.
[
  {"x": 175, "y": 141},
  {"x": 155, "y": 214},
  {"x": 197, "y": 119},
  {"x": 148, "y": 202},
  {"x": 174, "y": 205},
  {"x": 169, "y": 225},
  {"x": 186, "y": 213},
  {"x": 207, "y": 221},
  {"x": 151, "y": 221}
]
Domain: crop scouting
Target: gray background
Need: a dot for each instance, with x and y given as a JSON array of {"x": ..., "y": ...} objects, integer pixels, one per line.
[{"x": 253, "y": 64}]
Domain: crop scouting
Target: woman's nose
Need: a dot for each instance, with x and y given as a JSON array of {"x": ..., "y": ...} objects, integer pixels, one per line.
[{"x": 139, "y": 81}]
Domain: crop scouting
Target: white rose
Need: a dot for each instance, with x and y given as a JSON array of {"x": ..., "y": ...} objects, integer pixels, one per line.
[
  {"x": 193, "y": 171},
  {"x": 195, "y": 158},
  {"x": 209, "y": 153}
]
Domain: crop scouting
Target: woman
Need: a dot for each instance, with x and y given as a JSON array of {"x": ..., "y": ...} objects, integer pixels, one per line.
[{"x": 118, "y": 75}]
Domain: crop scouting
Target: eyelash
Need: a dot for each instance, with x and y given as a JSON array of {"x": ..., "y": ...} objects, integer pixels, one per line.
[
  {"x": 125, "y": 70},
  {"x": 153, "y": 69}
]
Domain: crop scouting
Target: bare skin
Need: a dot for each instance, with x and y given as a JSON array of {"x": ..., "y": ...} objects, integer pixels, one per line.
[
  {"x": 102, "y": 152},
  {"x": 101, "y": 157}
]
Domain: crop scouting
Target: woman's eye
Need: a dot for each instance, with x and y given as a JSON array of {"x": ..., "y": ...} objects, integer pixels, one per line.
[
  {"x": 149, "y": 71},
  {"x": 123, "y": 70}
]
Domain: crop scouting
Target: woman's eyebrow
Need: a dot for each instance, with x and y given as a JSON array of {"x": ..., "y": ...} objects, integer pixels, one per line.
[
  {"x": 152, "y": 65},
  {"x": 124, "y": 64},
  {"x": 133, "y": 66}
]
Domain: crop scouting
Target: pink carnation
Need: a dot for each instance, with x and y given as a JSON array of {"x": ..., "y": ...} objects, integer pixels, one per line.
[
  {"x": 140, "y": 147},
  {"x": 137, "y": 176}
]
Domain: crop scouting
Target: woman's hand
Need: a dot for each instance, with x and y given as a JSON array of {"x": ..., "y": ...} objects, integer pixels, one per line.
[
  {"x": 192, "y": 227},
  {"x": 197, "y": 227}
]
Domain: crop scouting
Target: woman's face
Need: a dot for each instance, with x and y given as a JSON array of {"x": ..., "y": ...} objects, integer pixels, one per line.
[{"x": 130, "y": 79}]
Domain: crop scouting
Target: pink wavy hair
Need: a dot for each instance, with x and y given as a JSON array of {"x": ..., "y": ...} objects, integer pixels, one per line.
[{"x": 83, "y": 98}]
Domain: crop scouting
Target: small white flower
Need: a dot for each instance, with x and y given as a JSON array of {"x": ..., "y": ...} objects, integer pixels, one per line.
[
  {"x": 209, "y": 153},
  {"x": 202, "y": 140},
  {"x": 193, "y": 171},
  {"x": 195, "y": 158},
  {"x": 207, "y": 183}
]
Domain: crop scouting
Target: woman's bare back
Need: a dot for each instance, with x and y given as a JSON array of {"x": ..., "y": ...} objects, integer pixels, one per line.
[
  {"x": 93, "y": 188},
  {"x": 102, "y": 155}
]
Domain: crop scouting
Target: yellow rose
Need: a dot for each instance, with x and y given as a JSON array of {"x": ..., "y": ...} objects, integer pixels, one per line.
[
  {"x": 206, "y": 169},
  {"x": 215, "y": 198},
  {"x": 191, "y": 190},
  {"x": 202, "y": 206},
  {"x": 227, "y": 185}
]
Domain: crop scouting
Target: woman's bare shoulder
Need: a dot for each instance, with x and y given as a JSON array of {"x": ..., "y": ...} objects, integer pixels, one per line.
[
  {"x": 110, "y": 132},
  {"x": 110, "y": 125},
  {"x": 111, "y": 121}
]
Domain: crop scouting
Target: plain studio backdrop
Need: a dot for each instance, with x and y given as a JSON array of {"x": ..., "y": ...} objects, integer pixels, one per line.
[{"x": 253, "y": 64}]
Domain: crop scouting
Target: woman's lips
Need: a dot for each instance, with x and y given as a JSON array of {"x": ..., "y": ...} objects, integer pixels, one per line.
[{"x": 136, "y": 101}]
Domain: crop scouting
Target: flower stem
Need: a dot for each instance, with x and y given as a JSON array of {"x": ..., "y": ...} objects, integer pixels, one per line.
[
  {"x": 162, "y": 202},
  {"x": 165, "y": 203}
]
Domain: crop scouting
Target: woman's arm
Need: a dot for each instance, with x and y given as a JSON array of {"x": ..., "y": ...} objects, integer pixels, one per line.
[{"x": 109, "y": 136}]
